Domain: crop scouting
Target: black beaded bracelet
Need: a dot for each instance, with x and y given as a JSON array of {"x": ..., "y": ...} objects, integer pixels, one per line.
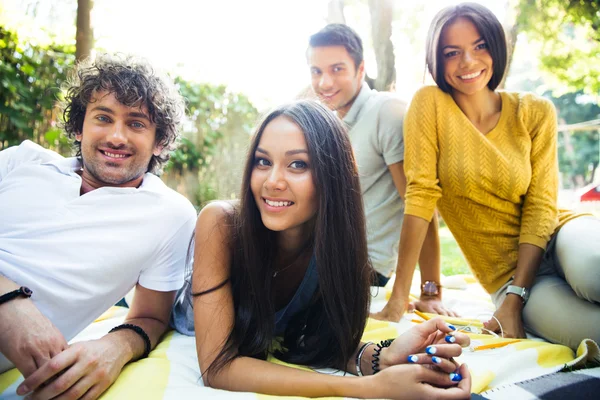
[
  {"x": 140, "y": 332},
  {"x": 378, "y": 347}
]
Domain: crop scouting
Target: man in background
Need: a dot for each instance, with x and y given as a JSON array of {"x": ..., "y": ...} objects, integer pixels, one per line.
[{"x": 374, "y": 120}]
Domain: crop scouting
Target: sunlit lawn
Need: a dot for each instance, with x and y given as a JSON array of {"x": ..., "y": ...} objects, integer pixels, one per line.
[{"x": 453, "y": 262}]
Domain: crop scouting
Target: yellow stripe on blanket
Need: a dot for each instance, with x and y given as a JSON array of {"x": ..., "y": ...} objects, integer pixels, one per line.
[
  {"x": 8, "y": 379},
  {"x": 145, "y": 379}
]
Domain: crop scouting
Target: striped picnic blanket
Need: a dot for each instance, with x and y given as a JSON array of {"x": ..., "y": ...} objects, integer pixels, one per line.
[{"x": 171, "y": 371}]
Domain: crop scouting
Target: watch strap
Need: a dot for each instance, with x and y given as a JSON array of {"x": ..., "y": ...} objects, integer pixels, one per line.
[
  {"x": 519, "y": 291},
  {"x": 430, "y": 288}
]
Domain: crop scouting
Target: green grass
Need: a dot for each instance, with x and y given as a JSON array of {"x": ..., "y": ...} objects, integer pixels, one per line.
[{"x": 453, "y": 262}]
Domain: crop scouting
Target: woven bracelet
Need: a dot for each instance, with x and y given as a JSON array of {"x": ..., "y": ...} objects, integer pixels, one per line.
[
  {"x": 378, "y": 347},
  {"x": 139, "y": 331}
]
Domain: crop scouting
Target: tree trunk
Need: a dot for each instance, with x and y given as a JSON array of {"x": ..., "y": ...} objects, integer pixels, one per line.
[
  {"x": 381, "y": 30},
  {"x": 84, "y": 38},
  {"x": 335, "y": 12},
  {"x": 511, "y": 28}
]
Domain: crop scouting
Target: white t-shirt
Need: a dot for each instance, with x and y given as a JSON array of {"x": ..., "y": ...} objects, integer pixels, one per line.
[
  {"x": 81, "y": 254},
  {"x": 375, "y": 129}
]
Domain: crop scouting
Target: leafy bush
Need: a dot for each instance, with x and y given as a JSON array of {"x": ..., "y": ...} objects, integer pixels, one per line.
[{"x": 30, "y": 79}]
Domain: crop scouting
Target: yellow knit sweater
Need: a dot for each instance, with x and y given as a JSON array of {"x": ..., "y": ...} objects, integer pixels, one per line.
[{"x": 494, "y": 191}]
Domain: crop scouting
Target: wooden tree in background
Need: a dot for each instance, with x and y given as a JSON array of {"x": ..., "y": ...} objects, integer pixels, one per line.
[
  {"x": 84, "y": 38},
  {"x": 381, "y": 30},
  {"x": 381, "y": 12},
  {"x": 335, "y": 12}
]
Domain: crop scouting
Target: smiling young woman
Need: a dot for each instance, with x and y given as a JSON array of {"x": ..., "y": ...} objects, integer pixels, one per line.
[
  {"x": 487, "y": 159},
  {"x": 289, "y": 260}
]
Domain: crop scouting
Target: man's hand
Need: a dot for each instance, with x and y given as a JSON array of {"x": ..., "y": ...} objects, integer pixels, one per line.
[
  {"x": 27, "y": 338},
  {"x": 394, "y": 310},
  {"x": 510, "y": 316},
  {"x": 83, "y": 371},
  {"x": 434, "y": 305}
]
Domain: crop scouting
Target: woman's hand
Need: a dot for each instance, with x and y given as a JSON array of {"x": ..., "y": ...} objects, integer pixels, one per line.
[
  {"x": 418, "y": 382},
  {"x": 433, "y": 342},
  {"x": 510, "y": 316}
]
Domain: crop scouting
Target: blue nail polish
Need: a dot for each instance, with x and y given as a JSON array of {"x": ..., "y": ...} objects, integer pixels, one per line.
[
  {"x": 413, "y": 359},
  {"x": 430, "y": 350},
  {"x": 436, "y": 360},
  {"x": 451, "y": 327},
  {"x": 450, "y": 339},
  {"x": 455, "y": 377}
]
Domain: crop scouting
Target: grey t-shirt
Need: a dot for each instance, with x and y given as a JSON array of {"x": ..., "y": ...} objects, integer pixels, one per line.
[{"x": 375, "y": 124}]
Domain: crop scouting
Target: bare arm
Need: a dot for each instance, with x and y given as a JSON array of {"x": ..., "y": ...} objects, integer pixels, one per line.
[
  {"x": 214, "y": 319},
  {"x": 150, "y": 310},
  {"x": 538, "y": 219},
  {"x": 510, "y": 312},
  {"x": 27, "y": 338},
  {"x": 89, "y": 368},
  {"x": 428, "y": 258}
]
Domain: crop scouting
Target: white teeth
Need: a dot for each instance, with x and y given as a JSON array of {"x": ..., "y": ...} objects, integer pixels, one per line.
[
  {"x": 278, "y": 203},
  {"x": 115, "y": 155},
  {"x": 471, "y": 76}
]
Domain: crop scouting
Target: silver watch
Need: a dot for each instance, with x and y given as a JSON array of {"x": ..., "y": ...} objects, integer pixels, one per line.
[{"x": 519, "y": 291}]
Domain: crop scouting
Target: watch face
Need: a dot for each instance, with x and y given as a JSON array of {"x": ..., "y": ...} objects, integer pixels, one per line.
[{"x": 429, "y": 288}]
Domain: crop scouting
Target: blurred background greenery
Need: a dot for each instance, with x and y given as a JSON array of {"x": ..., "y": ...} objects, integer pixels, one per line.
[{"x": 554, "y": 48}]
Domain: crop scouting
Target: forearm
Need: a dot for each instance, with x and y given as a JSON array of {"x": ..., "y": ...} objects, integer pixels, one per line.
[
  {"x": 131, "y": 343},
  {"x": 366, "y": 366},
  {"x": 279, "y": 380},
  {"x": 414, "y": 230},
  {"x": 429, "y": 259},
  {"x": 7, "y": 285},
  {"x": 528, "y": 262}
]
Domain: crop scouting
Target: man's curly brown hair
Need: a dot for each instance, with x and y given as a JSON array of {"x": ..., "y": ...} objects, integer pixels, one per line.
[{"x": 134, "y": 83}]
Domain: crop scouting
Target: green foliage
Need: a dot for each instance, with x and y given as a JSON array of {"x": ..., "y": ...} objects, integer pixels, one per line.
[
  {"x": 30, "y": 79},
  {"x": 453, "y": 261},
  {"x": 218, "y": 122},
  {"x": 205, "y": 165},
  {"x": 569, "y": 31},
  {"x": 578, "y": 154}
]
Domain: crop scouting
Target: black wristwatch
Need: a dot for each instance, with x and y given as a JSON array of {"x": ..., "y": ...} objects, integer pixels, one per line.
[{"x": 23, "y": 291}]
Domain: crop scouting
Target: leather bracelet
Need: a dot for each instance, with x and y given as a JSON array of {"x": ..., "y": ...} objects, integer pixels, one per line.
[
  {"x": 378, "y": 347},
  {"x": 139, "y": 331},
  {"x": 23, "y": 291},
  {"x": 359, "y": 357}
]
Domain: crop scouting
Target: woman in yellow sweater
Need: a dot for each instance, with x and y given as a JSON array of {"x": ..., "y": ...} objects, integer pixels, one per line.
[{"x": 487, "y": 159}]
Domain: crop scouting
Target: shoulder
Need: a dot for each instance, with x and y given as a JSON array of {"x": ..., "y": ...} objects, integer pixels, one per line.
[
  {"x": 29, "y": 152},
  {"x": 531, "y": 108},
  {"x": 430, "y": 94},
  {"x": 177, "y": 207},
  {"x": 391, "y": 107},
  {"x": 218, "y": 213}
]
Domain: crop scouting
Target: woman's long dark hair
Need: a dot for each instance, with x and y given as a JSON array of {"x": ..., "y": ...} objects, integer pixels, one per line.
[{"x": 328, "y": 332}]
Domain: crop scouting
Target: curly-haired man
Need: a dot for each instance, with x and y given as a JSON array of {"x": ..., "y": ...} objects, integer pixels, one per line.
[{"x": 78, "y": 233}]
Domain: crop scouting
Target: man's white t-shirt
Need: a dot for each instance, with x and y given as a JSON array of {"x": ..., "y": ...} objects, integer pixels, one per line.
[{"x": 81, "y": 253}]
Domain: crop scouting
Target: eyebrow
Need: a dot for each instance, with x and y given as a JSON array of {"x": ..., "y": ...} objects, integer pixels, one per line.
[
  {"x": 457, "y": 47},
  {"x": 339, "y": 64},
  {"x": 287, "y": 153},
  {"x": 131, "y": 114}
]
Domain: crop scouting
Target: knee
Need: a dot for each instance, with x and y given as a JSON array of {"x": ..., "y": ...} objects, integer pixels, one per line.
[{"x": 583, "y": 275}]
